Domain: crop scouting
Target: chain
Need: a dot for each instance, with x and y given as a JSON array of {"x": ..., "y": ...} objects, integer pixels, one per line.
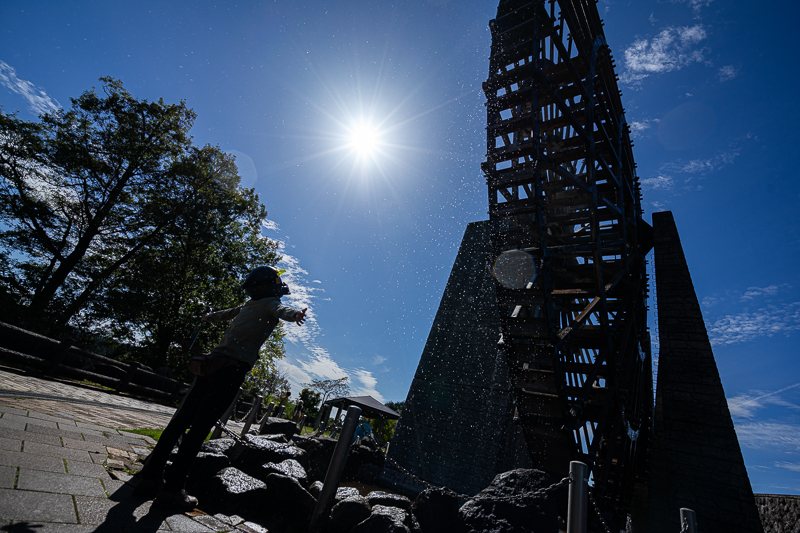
[
  {"x": 597, "y": 512},
  {"x": 446, "y": 490}
]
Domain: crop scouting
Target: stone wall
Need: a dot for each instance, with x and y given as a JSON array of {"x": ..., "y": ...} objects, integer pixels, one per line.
[
  {"x": 456, "y": 429},
  {"x": 779, "y": 513},
  {"x": 695, "y": 460}
]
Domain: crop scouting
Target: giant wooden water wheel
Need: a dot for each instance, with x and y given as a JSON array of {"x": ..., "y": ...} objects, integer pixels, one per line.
[{"x": 569, "y": 244}]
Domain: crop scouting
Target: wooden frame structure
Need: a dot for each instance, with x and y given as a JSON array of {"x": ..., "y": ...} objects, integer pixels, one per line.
[{"x": 564, "y": 197}]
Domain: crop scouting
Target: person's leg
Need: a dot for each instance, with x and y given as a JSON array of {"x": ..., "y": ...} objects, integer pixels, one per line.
[
  {"x": 223, "y": 388},
  {"x": 157, "y": 460}
]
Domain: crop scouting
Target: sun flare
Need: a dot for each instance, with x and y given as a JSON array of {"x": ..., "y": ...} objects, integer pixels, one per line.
[{"x": 364, "y": 139}]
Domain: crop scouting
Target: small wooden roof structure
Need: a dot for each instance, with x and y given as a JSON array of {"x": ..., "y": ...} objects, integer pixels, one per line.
[{"x": 370, "y": 407}]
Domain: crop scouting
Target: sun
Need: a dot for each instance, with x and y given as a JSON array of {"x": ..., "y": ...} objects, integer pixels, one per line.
[{"x": 364, "y": 139}]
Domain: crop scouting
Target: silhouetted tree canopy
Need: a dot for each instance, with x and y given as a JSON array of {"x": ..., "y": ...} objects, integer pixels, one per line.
[{"x": 113, "y": 223}]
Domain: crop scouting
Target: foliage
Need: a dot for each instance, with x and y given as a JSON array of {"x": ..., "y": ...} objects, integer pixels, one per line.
[
  {"x": 333, "y": 388},
  {"x": 382, "y": 429},
  {"x": 113, "y": 223},
  {"x": 199, "y": 260},
  {"x": 311, "y": 401},
  {"x": 83, "y": 191}
]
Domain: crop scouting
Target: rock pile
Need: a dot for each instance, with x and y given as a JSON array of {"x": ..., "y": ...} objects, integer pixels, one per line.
[{"x": 275, "y": 481}]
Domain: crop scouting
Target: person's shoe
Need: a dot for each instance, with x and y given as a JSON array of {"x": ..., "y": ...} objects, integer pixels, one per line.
[
  {"x": 175, "y": 500},
  {"x": 146, "y": 487}
]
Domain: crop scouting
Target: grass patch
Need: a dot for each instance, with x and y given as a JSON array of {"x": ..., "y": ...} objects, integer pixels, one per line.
[
  {"x": 91, "y": 384},
  {"x": 149, "y": 432}
]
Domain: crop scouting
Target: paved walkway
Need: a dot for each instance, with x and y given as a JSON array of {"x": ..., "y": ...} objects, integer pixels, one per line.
[{"x": 56, "y": 441}]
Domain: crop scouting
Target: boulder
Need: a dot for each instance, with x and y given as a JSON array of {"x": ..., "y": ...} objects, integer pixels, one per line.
[
  {"x": 364, "y": 464},
  {"x": 346, "y": 514},
  {"x": 218, "y": 446},
  {"x": 205, "y": 466},
  {"x": 233, "y": 492},
  {"x": 436, "y": 512},
  {"x": 343, "y": 493},
  {"x": 288, "y": 506},
  {"x": 377, "y": 497},
  {"x": 315, "y": 489},
  {"x": 383, "y": 520},
  {"x": 277, "y": 437},
  {"x": 519, "y": 514},
  {"x": 289, "y": 467},
  {"x": 319, "y": 452},
  {"x": 260, "y": 450},
  {"x": 279, "y": 425}
]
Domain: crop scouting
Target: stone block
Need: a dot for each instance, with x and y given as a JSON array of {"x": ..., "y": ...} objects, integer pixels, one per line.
[
  {"x": 24, "y": 505},
  {"x": 80, "y": 444},
  {"x": 82, "y": 468},
  {"x": 36, "y": 462},
  {"x": 13, "y": 445},
  {"x": 56, "y": 451},
  {"x": 37, "y": 480},
  {"x": 128, "y": 514},
  {"x": 7, "y": 476}
]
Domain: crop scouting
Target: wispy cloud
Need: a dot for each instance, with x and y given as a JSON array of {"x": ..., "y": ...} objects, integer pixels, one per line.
[
  {"x": 704, "y": 166},
  {"x": 794, "y": 467},
  {"x": 696, "y": 5},
  {"x": 36, "y": 97},
  {"x": 745, "y": 405},
  {"x": 769, "y": 435},
  {"x": 672, "y": 49},
  {"x": 659, "y": 182},
  {"x": 727, "y": 73},
  {"x": 379, "y": 359},
  {"x": 747, "y": 326},
  {"x": 638, "y": 127},
  {"x": 317, "y": 362},
  {"x": 772, "y": 290}
]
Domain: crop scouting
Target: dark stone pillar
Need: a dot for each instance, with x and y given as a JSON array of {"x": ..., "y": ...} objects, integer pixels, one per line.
[
  {"x": 456, "y": 429},
  {"x": 695, "y": 460}
]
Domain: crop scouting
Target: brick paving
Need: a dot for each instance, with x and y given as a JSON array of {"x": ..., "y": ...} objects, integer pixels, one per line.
[{"x": 54, "y": 440}]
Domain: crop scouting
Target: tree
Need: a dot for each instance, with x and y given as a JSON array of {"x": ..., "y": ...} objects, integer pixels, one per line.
[
  {"x": 154, "y": 301},
  {"x": 83, "y": 191},
  {"x": 311, "y": 401},
  {"x": 329, "y": 387},
  {"x": 384, "y": 429}
]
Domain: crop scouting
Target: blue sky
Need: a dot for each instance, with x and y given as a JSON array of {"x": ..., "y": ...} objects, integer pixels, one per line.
[{"x": 369, "y": 235}]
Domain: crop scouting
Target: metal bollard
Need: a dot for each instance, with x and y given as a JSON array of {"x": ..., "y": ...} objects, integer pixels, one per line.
[
  {"x": 227, "y": 415},
  {"x": 335, "y": 470},
  {"x": 688, "y": 521},
  {"x": 578, "y": 497},
  {"x": 281, "y": 409},
  {"x": 252, "y": 416},
  {"x": 264, "y": 420}
]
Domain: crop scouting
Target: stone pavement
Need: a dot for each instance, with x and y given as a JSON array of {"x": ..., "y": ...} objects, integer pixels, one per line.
[{"x": 55, "y": 442}]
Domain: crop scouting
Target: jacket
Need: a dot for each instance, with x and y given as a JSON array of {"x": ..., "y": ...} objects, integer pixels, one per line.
[{"x": 252, "y": 324}]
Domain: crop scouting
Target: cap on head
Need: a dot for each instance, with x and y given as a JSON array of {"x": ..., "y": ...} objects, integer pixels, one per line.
[{"x": 264, "y": 281}]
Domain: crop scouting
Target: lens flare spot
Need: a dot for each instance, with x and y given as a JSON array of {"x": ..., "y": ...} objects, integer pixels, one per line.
[{"x": 515, "y": 269}]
